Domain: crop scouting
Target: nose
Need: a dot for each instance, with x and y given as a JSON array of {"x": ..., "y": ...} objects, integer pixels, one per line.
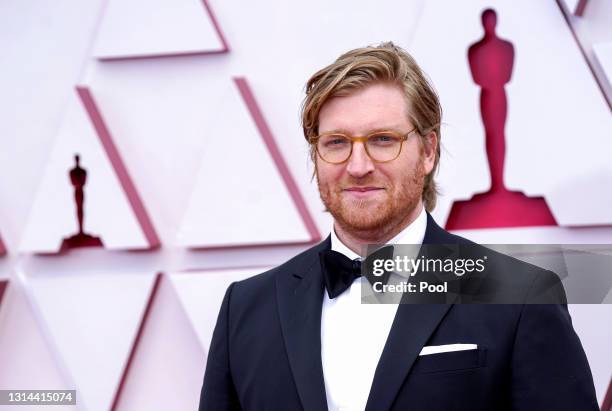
[{"x": 359, "y": 164}]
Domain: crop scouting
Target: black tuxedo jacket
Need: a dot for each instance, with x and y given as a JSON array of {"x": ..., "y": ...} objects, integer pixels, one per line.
[{"x": 266, "y": 349}]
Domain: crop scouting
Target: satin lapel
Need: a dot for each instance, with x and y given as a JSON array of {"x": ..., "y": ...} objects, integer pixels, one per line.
[
  {"x": 434, "y": 234},
  {"x": 300, "y": 299},
  {"x": 412, "y": 327}
]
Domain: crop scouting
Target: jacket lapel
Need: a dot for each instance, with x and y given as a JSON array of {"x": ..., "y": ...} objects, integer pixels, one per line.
[
  {"x": 412, "y": 327},
  {"x": 300, "y": 299}
]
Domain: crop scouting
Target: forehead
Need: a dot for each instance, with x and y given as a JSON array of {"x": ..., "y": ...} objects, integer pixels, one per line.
[{"x": 376, "y": 106}]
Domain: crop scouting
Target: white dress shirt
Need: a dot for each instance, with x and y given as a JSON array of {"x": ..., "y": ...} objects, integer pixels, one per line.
[{"x": 353, "y": 335}]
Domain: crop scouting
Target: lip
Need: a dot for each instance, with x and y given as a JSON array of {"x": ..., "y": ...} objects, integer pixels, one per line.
[{"x": 363, "y": 191}]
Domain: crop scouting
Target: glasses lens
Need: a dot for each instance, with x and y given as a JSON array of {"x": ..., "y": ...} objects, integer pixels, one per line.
[
  {"x": 384, "y": 146},
  {"x": 334, "y": 148}
]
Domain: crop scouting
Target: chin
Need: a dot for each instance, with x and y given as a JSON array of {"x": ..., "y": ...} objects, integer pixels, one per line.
[{"x": 363, "y": 217}]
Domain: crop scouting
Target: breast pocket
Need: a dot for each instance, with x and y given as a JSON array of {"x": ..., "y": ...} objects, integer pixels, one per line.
[{"x": 451, "y": 361}]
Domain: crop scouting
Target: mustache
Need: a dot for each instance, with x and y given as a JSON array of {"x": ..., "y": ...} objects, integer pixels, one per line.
[{"x": 365, "y": 182}]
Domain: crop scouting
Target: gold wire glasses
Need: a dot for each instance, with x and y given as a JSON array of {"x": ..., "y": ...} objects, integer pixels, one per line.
[{"x": 381, "y": 146}]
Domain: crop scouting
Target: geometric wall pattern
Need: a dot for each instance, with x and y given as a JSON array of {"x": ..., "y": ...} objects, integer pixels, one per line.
[
  {"x": 560, "y": 86},
  {"x": 265, "y": 185},
  {"x": 92, "y": 321},
  {"x": 575, "y": 6},
  {"x": 143, "y": 29},
  {"x": 179, "y": 309},
  {"x": 603, "y": 55},
  {"x": 26, "y": 353},
  {"x": 105, "y": 190},
  {"x": 167, "y": 358},
  {"x": 194, "y": 159}
]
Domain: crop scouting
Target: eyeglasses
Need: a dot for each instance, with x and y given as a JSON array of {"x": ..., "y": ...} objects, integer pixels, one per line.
[{"x": 381, "y": 146}]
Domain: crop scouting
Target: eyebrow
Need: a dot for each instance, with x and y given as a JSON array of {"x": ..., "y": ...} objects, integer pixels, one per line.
[{"x": 370, "y": 131}]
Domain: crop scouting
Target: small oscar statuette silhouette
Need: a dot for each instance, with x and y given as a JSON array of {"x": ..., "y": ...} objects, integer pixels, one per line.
[
  {"x": 491, "y": 60},
  {"x": 78, "y": 178}
]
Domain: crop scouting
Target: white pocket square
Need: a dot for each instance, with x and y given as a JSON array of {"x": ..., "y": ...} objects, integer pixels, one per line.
[{"x": 435, "y": 349}]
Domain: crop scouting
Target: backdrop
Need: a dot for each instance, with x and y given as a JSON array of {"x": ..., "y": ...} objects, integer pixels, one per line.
[{"x": 193, "y": 171}]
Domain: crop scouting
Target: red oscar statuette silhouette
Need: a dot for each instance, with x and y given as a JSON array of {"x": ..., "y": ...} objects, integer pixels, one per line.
[
  {"x": 3, "y": 285},
  {"x": 491, "y": 60},
  {"x": 78, "y": 178}
]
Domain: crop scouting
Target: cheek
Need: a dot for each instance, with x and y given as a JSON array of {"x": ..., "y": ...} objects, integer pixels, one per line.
[
  {"x": 420, "y": 160},
  {"x": 403, "y": 168},
  {"x": 328, "y": 174}
]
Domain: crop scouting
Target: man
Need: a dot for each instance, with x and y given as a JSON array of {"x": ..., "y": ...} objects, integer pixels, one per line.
[{"x": 298, "y": 338}]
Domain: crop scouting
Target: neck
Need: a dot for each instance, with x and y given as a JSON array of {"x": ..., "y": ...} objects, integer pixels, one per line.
[{"x": 356, "y": 239}]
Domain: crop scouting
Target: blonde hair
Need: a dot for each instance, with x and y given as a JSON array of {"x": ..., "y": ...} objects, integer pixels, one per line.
[{"x": 361, "y": 67}]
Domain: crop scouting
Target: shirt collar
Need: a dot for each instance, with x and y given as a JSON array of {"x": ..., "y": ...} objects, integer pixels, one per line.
[{"x": 413, "y": 234}]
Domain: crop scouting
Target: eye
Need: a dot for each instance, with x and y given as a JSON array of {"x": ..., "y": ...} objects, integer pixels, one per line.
[
  {"x": 383, "y": 139},
  {"x": 335, "y": 141}
]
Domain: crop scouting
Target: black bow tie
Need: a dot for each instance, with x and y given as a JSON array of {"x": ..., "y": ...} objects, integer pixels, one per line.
[{"x": 339, "y": 271}]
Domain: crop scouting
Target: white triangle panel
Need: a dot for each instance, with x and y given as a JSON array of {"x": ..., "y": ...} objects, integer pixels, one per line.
[
  {"x": 28, "y": 360},
  {"x": 167, "y": 368},
  {"x": 558, "y": 122},
  {"x": 146, "y": 28},
  {"x": 174, "y": 126},
  {"x": 596, "y": 338},
  {"x": 240, "y": 197},
  {"x": 571, "y": 5},
  {"x": 108, "y": 211},
  {"x": 201, "y": 294},
  {"x": 93, "y": 320}
]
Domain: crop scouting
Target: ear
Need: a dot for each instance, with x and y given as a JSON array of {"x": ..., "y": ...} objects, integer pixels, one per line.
[{"x": 430, "y": 148}]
